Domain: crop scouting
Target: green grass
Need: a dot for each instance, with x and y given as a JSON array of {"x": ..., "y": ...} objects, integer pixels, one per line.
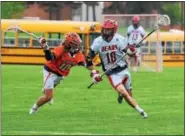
[{"x": 77, "y": 110}]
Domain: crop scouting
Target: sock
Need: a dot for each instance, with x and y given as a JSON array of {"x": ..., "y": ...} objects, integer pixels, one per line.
[
  {"x": 35, "y": 106},
  {"x": 139, "y": 109}
]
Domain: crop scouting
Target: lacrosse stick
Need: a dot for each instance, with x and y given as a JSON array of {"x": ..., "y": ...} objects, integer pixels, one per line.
[
  {"x": 163, "y": 20},
  {"x": 16, "y": 28}
]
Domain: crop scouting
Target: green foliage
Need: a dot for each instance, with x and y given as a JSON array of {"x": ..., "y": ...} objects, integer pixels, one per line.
[
  {"x": 12, "y": 9},
  {"x": 174, "y": 12},
  {"x": 78, "y": 110}
]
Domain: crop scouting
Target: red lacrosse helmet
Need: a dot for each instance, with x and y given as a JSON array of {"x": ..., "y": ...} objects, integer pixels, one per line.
[
  {"x": 136, "y": 21},
  {"x": 72, "y": 42},
  {"x": 109, "y": 28}
]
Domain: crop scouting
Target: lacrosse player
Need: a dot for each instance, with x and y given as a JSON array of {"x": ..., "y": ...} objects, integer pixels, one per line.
[
  {"x": 135, "y": 33},
  {"x": 111, "y": 46},
  {"x": 58, "y": 65}
]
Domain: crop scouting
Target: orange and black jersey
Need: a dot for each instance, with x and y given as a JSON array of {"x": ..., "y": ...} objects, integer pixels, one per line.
[{"x": 62, "y": 61}]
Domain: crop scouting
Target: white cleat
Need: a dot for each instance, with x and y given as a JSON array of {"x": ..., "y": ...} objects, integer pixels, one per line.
[
  {"x": 32, "y": 111},
  {"x": 144, "y": 115},
  {"x": 51, "y": 102}
]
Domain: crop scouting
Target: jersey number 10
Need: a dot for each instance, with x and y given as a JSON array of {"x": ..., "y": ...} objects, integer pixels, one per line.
[
  {"x": 111, "y": 57},
  {"x": 65, "y": 66}
]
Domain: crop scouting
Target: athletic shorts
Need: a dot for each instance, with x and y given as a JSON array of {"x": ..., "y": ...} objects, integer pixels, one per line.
[
  {"x": 122, "y": 77},
  {"x": 51, "y": 80}
]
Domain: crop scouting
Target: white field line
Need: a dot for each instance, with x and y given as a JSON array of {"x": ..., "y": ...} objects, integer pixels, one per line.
[{"x": 48, "y": 133}]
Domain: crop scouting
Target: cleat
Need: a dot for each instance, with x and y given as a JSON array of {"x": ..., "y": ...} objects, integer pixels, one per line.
[
  {"x": 120, "y": 98},
  {"x": 144, "y": 115},
  {"x": 51, "y": 102},
  {"x": 32, "y": 111}
]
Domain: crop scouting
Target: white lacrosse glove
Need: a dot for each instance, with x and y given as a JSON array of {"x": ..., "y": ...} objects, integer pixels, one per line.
[
  {"x": 95, "y": 76},
  {"x": 131, "y": 50},
  {"x": 43, "y": 43}
]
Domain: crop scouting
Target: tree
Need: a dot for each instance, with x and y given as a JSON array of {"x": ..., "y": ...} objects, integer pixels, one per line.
[
  {"x": 12, "y": 9},
  {"x": 173, "y": 10}
]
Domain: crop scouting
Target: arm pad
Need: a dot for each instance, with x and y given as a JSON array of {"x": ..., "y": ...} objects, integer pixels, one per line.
[
  {"x": 90, "y": 57},
  {"x": 49, "y": 55}
]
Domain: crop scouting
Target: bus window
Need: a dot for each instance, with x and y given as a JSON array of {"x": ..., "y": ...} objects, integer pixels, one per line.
[
  {"x": 169, "y": 47},
  {"x": 36, "y": 43},
  {"x": 55, "y": 36},
  {"x": 177, "y": 47},
  {"x": 183, "y": 46},
  {"x": 23, "y": 40},
  {"x": 9, "y": 39},
  {"x": 55, "y": 39},
  {"x": 145, "y": 48},
  {"x": 153, "y": 47}
]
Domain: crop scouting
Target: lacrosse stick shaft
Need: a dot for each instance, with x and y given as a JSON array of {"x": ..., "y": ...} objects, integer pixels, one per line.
[
  {"x": 24, "y": 31},
  {"x": 139, "y": 44}
]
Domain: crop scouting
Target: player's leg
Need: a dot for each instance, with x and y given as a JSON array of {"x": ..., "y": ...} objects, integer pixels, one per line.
[
  {"x": 51, "y": 101},
  {"x": 135, "y": 62},
  {"x": 116, "y": 81},
  {"x": 49, "y": 79},
  {"x": 48, "y": 94},
  {"x": 139, "y": 60},
  {"x": 126, "y": 81},
  {"x": 55, "y": 84},
  {"x": 121, "y": 89}
]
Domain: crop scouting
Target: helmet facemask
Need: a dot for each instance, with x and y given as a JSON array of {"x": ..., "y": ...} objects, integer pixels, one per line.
[
  {"x": 74, "y": 48},
  {"x": 107, "y": 34},
  {"x": 136, "y": 24}
]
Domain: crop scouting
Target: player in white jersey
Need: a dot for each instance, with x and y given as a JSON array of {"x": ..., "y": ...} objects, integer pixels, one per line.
[
  {"x": 135, "y": 33},
  {"x": 111, "y": 46}
]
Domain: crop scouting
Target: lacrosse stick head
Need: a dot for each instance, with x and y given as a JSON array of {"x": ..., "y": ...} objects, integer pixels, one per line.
[
  {"x": 13, "y": 28},
  {"x": 163, "y": 20}
]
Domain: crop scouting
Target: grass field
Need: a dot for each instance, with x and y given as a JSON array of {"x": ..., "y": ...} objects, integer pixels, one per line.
[{"x": 77, "y": 110}]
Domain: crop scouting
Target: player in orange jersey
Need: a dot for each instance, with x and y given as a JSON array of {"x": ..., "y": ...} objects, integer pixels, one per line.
[{"x": 58, "y": 65}]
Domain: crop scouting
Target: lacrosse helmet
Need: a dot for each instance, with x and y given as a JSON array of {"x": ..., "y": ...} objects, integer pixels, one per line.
[
  {"x": 72, "y": 42},
  {"x": 108, "y": 30},
  {"x": 136, "y": 21}
]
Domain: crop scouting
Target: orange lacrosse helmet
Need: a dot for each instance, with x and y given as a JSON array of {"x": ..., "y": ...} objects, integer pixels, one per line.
[{"x": 72, "y": 42}]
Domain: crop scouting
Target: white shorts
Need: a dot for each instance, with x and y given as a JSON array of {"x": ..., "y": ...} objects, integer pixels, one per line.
[
  {"x": 51, "y": 79},
  {"x": 122, "y": 77}
]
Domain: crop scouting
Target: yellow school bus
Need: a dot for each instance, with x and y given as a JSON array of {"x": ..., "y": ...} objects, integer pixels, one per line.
[
  {"x": 19, "y": 48},
  {"x": 172, "y": 47}
]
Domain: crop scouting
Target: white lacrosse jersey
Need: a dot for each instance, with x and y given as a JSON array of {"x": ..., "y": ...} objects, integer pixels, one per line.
[
  {"x": 135, "y": 35},
  {"x": 110, "y": 52}
]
